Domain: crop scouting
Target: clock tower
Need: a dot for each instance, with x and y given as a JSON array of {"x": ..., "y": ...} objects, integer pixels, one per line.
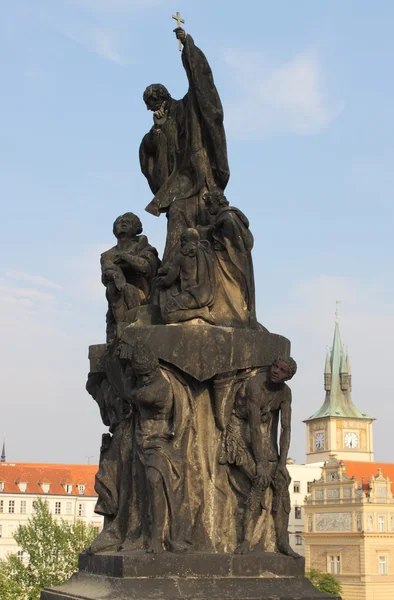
[{"x": 338, "y": 427}]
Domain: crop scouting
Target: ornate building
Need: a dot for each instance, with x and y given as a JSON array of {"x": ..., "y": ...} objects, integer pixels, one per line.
[
  {"x": 339, "y": 426},
  {"x": 349, "y": 530},
  {"x": 68, "y": 489}
]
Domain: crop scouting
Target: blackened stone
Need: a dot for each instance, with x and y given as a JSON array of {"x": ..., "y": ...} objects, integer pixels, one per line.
[{"x": 204, "y": 351}]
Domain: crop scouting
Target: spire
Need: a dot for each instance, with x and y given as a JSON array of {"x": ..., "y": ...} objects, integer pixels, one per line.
[
  {"x": 337, "y": 382},
  {"x": 2, "y": 459},
  {"x": 327, "y": 371}
]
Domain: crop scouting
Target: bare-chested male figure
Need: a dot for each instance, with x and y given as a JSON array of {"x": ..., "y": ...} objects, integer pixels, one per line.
[{"x": 251, "y": 443}]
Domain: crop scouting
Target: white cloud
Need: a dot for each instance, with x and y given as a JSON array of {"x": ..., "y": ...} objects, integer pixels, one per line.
[
  {"x": 37, "y": 279},
  {"x": 99, "y": 41},
  {"x": 289, "y": 98}
]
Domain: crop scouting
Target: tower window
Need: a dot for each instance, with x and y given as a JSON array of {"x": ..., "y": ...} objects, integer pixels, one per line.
[
  {"x": 297, "y": 512},
  {"x": 297, "y": 487}
]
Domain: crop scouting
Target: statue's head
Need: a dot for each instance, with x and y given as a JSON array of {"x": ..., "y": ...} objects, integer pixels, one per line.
[
  {"x": 190, "y": 239},
  {"x": 145, "y": 364},
  {"x": 215, "y": 200},
  {"x": 282, "y": 369},
  {"x": 190, "y": 235},
  {"x": 154, "y": 96},
  {"x": 127, "y": 225}
]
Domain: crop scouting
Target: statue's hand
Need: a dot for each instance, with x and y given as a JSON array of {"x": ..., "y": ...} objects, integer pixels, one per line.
[
  {"x": 160, "y": 116},
  {"x": 262, "y": 479},
  {"x": 180, "y": 34}
]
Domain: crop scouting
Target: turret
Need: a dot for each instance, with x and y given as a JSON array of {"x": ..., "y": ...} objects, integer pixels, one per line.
[
  {"x": 343, "y": 372},
  {"x": 327, "y": 372}
]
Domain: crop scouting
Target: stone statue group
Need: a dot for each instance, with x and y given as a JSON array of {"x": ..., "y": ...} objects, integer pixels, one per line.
[{"x": 192, "y": 387}]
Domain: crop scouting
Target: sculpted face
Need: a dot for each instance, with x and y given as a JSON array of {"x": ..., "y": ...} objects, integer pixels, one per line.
[
  {"x": 279, "y": 372},
  {"x": 148, "y": 377},
  {"x": 212, "y": 204},
  {"x": 154, "y": 96},
  {"x": 125, "y": 226},
  {"x": 153, "y": 104}
]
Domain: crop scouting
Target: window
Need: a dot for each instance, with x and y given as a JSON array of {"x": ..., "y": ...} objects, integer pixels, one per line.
[
  {"x": 309, "y": 487},
  {"x": 69, "y": 488},
  {"x": 69, "y": 508},
  {"x": 11, "y": 506},
  {"x": 1, "y": 506},
  {"x": 81, "y": 510},
  {"x": 58, "y": 508},
  {"x": 298, "y": 540},
  {"x": 297, "y": 512},
  {"x": 45, "y": 487},
  {"x": 81, "y": 489},
  {"x": 335, "y": 565},
  {"x": 1, "y": 531},
  {"x": 1, "y": 486},
  {"x": 381, "y": 527},
  {"x": 23, "y": 507},
  {"x": 382, "y": 565},
  {"x": 19, "y": 555},
  {"x": 22, "y": 486},
  {"x": 297, "y": 487}
]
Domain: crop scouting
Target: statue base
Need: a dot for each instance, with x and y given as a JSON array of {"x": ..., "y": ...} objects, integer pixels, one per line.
[{"x": 168, "y": 576}]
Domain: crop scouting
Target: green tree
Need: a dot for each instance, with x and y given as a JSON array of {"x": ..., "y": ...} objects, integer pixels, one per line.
[
  {"x": 325, "y": 582},
  {"x": 51, "y": 548}
]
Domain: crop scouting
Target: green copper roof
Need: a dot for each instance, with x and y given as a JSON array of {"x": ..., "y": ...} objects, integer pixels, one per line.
[{"x": 338, "y": 402}]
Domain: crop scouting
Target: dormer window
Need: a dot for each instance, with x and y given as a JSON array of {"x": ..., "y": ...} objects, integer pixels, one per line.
[
  {"x": 81, "y": 489},
  {"x": 45, "y": 487},
  {"x": 1, "y": 486},
  {"x": 68, "y": 488},
  {"x": 22, "y": 486}
]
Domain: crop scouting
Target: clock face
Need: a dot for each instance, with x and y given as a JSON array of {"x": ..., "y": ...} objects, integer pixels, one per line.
[
  {"x": 319, "y": 441},
  {"x": 351, "y": 439}
]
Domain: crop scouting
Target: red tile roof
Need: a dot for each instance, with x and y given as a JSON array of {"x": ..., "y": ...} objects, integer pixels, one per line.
[
  {"x": 57, "y": 476},
  {"x": 363, "y": 471}
]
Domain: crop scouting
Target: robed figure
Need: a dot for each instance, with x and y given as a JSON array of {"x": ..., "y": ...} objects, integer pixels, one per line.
[{"x": 185, "y": 153}]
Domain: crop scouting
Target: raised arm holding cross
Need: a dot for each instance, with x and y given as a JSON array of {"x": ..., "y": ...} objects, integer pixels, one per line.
[{"x": 181, "y": 35}]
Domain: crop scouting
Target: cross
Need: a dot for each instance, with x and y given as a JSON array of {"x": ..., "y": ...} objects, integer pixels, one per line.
[{"x": 178, "y": 20}]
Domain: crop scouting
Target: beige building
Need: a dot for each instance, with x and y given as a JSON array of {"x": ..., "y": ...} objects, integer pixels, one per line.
[
  {"x": 350, "y": 527},
  {"x": 68, "y": 490},
  {"x": 349, "y": 513}
]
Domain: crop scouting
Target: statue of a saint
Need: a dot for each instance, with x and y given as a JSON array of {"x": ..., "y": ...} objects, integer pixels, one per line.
[
  {"x": 185, "y": 153},
  {"x": 127, "y": 270}
]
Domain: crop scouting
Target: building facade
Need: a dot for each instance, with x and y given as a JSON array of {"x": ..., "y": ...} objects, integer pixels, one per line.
[
  {"x": 68, "y": 489},
  {"x": 302, "y": 477},
  {"x": 349, "y": 532}
]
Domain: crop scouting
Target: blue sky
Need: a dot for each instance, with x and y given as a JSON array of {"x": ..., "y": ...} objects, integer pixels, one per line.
[{"x": 308, "y": 99}]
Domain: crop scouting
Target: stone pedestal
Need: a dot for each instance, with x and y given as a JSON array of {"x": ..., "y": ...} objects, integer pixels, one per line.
[{"x": 167, "y": 576}]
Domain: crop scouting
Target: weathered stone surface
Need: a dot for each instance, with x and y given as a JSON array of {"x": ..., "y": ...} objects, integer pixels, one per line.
[
  {"x": 205, "y": 565},
  {"x": 95, "y": 352},
  {"x": 204, "y": 351},
  {"x": 263, "y": 576}
]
